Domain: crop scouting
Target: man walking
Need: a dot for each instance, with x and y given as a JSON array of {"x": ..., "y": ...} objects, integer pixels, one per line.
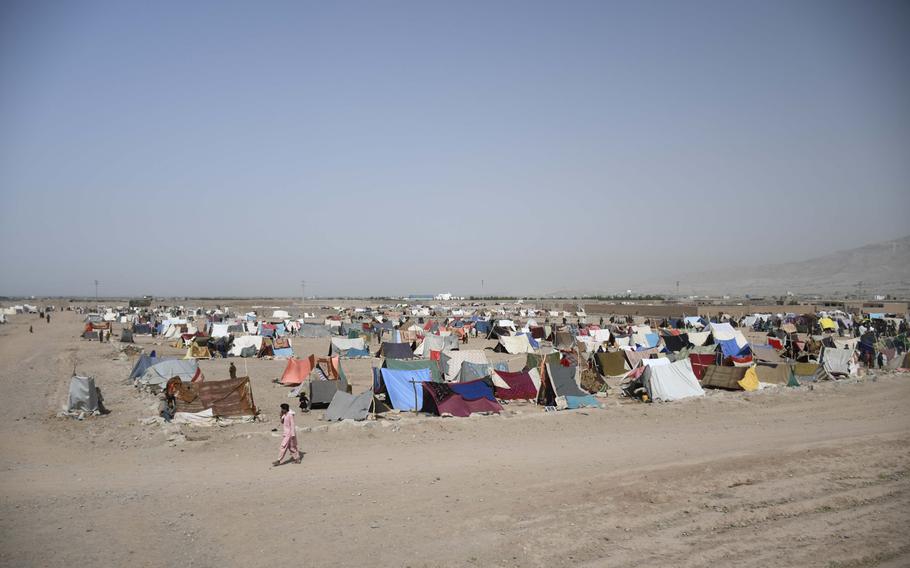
[{"x": 289, "y": 441}]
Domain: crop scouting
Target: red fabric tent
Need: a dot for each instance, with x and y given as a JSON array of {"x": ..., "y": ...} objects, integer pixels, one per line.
[
  {"x": 700, "y": 362},
  {"x": 521, "y": 386}
]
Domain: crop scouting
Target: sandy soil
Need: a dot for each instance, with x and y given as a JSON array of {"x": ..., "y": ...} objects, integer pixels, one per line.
[{"x": 789, "y": 477}]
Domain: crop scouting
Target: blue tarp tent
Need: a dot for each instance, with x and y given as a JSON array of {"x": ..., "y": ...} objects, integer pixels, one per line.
[{"x": 403, "y": 393}]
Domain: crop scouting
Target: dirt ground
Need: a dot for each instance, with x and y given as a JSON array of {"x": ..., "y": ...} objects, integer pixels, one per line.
[{"x": 812, "y": 476}]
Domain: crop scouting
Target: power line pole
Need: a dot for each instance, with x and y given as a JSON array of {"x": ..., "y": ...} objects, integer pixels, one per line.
[
  {"x": 96, "y": 290},
  {"x": 302, "y": 296}
]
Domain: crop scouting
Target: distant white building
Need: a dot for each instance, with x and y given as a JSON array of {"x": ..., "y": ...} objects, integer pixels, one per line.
[{"x": 444, "y": 297}]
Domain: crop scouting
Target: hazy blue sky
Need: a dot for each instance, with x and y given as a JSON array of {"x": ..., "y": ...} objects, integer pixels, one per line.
[{"x": 389, "y": 147}]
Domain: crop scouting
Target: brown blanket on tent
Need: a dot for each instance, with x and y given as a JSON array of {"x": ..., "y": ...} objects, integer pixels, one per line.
[{"x": 231, "y": 397}]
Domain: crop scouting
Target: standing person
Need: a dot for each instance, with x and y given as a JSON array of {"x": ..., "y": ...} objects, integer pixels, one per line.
[
  {"x": 289, "y": 441},
  {"x": 232, "y": 371},
  {"x": 48, "y": 317},
  {"x": 31, "y": 329}
]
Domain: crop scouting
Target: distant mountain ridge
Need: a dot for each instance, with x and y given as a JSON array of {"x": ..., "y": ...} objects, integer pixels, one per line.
[{"x": 880, "y": 268}]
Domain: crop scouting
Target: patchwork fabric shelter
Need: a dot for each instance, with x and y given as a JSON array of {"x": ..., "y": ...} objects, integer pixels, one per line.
[
  {"x": 251, "y": 343},
  {"x": 450, "y": 361},
  {"x": 838, "y": 362},
  {"x": 700, "y": 362},
  {"x": 562, "y": 380},
  {"x": 228, "y": 398},
  {"x": 341, "y": 344},
  {"x": 459, "y": 399}
]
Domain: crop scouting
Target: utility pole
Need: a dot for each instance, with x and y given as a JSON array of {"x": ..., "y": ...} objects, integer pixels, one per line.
[
  {"x": 96, "y": 291},
  {"x": 302, "y": 296}
]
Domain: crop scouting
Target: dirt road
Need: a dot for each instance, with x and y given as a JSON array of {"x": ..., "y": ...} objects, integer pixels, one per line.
[{"x": 793, "y": 477}]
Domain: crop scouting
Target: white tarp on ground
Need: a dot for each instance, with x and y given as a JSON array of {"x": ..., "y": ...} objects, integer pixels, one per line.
[
  {"x": 220, "y": 329},
  {"x": 451, "y": 361},
  {"x": 516, "y": 344},
  {"x": 838, "y": 361},
  {"x": 161, "y": 373},
  {"x": 244, "y": 341},
  {"x": 672, "y": 382}
]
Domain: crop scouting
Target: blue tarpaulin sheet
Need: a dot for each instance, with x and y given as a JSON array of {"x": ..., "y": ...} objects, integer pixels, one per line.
[
  {"x": 402, "y": 391},
  {"x": 473, "y": 390},
  {"x": 582, "y": 401}
]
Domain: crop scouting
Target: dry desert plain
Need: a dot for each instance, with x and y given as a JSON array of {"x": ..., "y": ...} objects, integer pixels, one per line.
[{"x": 782, "y": 477}]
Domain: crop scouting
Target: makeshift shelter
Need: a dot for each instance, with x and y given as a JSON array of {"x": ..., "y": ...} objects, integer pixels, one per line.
[
  {"x": 611, "y": 364},
  {"x": 196, "y": 351},
  {"x": 459, "y": 399},
  {"x": 402, "y": 388},
  {"x": 415, "y": 364},
  {"x": 340, "y": 345},
  {"x": 438, "y": 343},
  {"x": 838, "y": 362},
  {"x": 563, "y": 340},
  {"x": 346, "y": 406},
  {"x": 126, "y": 336},
  {"x": 472, "y": 371},
  {"x": 808, "y": 372},
  {"x": 514, "y": 386},
  {"x": 676, "y": 342},
  {"x": 282, "y": 347},
  {"x": 228, "y": 398},
  {"x": 187, "y": 370},
  {"x": 671, "y": 382},
  {"x": 83, "y": 396},
  {"x": 513, "y": 344},
  {"x": 395, "y": 351},
  {"x": 700, "y": 363},
  {"x": 297, "y": 370},
  {"x": 718, "y": 377},
  {"x": 142, "y": 363},
  {"x": 565, "y": 389},
  {"x": 246, "y": 346},
  {"x": 773, "y": 373},
  {"x": 450, "y": 361}
]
